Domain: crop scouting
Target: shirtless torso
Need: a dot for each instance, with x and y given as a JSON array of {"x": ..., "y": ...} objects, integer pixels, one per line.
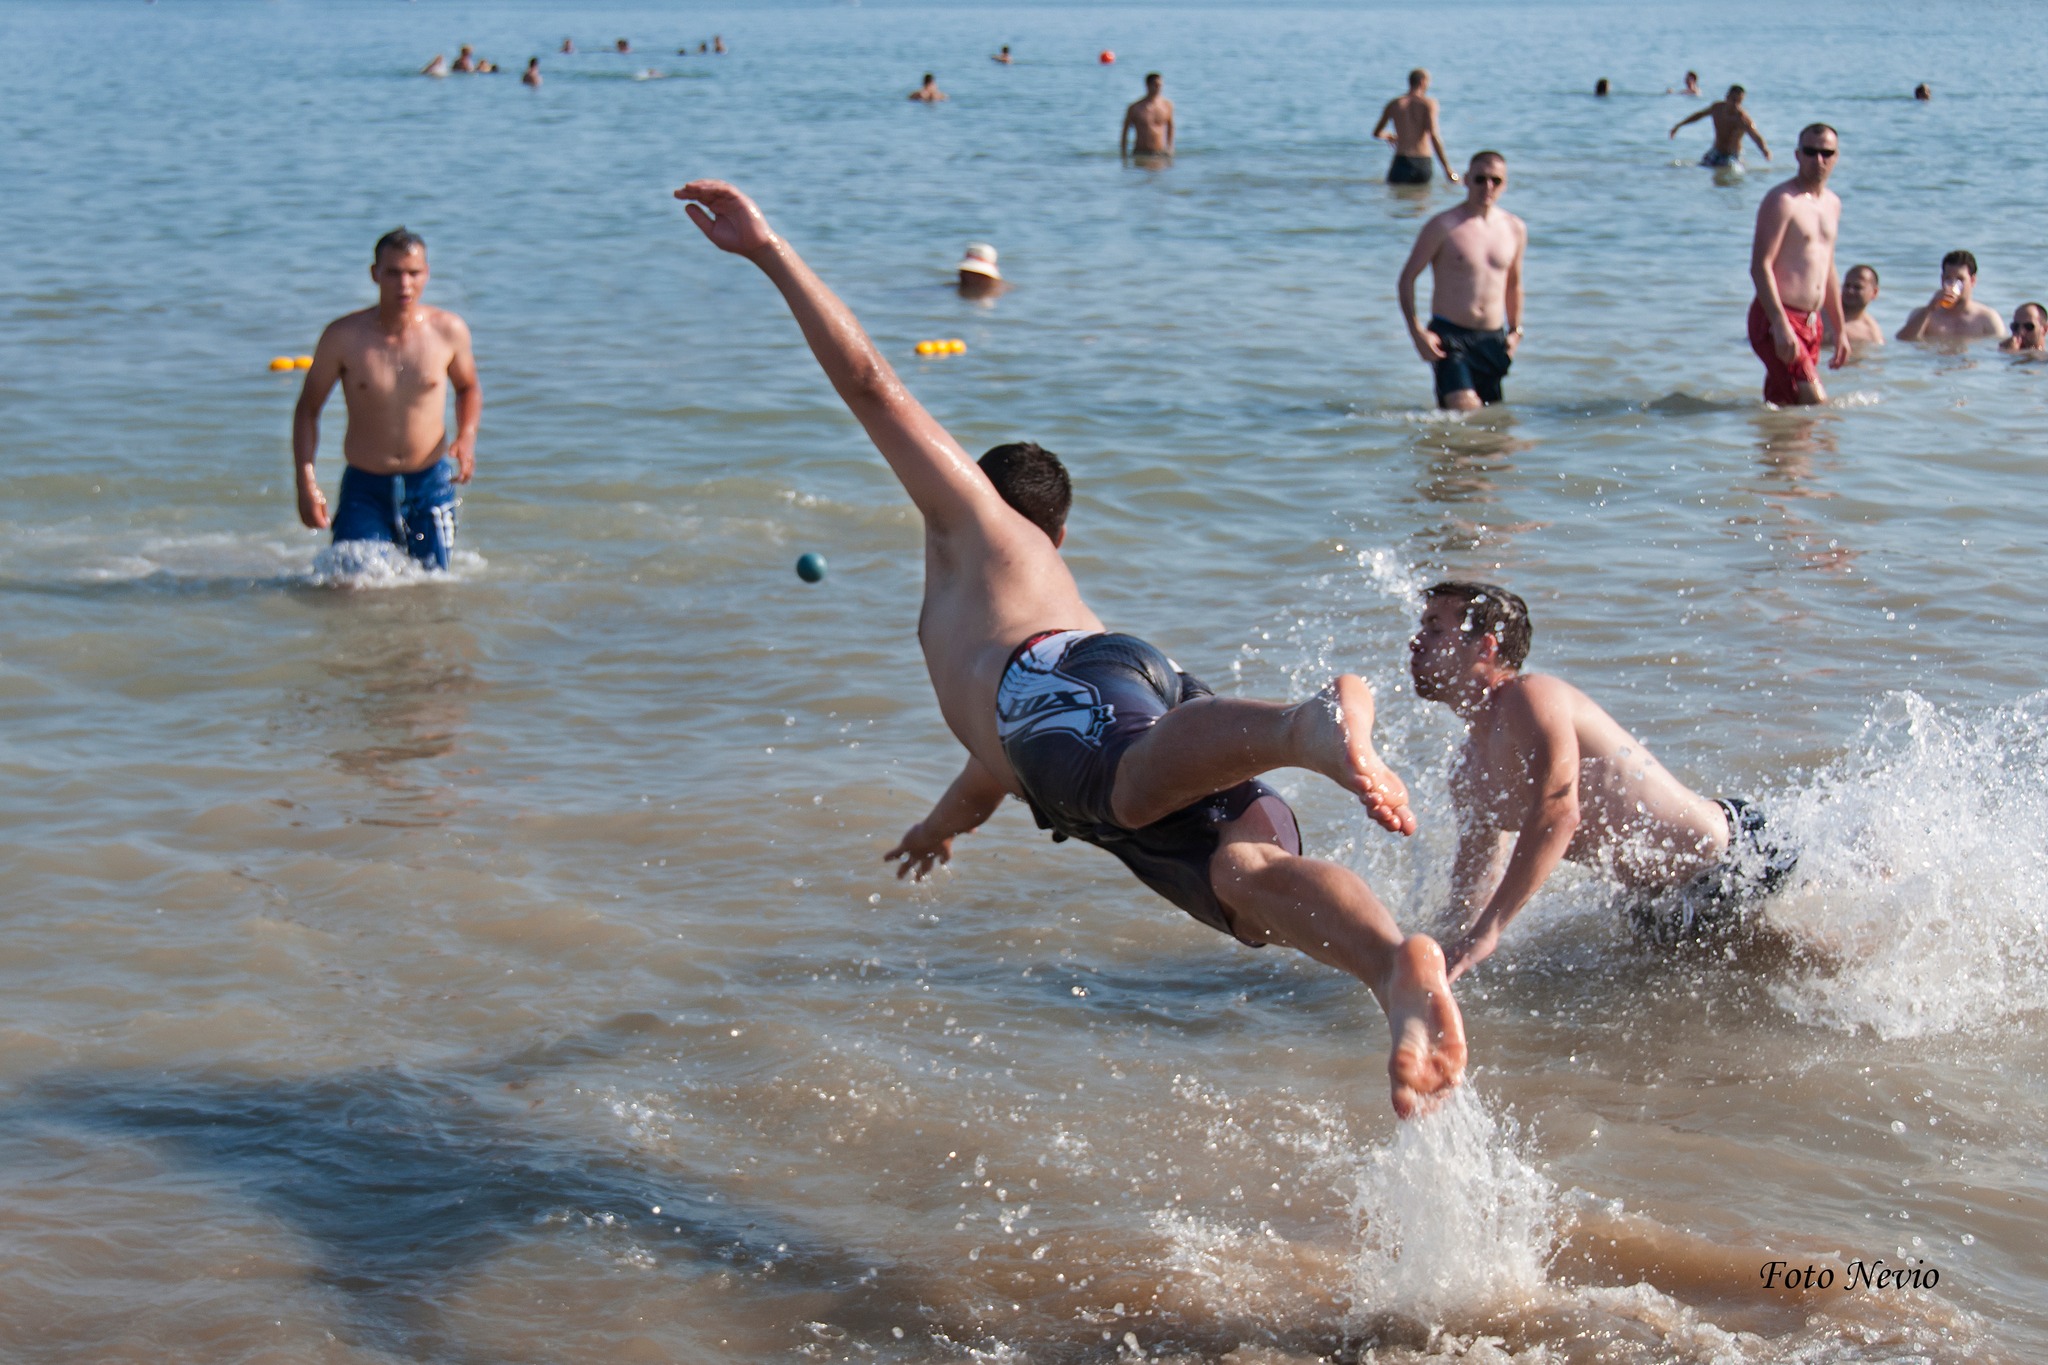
[
  {"x": 1954, "y": 314},
  {"x": 1732, "y": 123},
  {"x": 1474, "y": 255},
  {"x": 1148, "y": 124},
  {"x": 1412, "y": 119},
  {"x": 396, "y": 363},
  {"x": 1546, "y": 776},
  {"x": 1792, "y": 265}
]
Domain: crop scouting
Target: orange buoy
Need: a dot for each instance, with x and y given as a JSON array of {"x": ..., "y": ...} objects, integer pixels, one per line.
[{"x": 1107, "y": 58}]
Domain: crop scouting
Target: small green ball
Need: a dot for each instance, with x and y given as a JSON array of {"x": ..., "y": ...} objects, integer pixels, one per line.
[{"x": 811, "y": 568}]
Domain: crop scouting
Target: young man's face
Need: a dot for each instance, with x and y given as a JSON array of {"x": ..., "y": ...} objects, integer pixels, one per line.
[
  {"x": 1958, "y": 279},
  {"x": 1484, "y": 181},
  {"x": 1818, "y": 152},
  {"x": 401, "y": 277},
  {"x": 1441, "y": 652},
  {"x": 1859, "y": 287}
]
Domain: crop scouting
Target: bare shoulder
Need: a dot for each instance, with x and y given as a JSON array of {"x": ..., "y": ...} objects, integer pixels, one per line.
[
  {"x": 447, "y": 324},
  {"x": 348, "y": 332}
]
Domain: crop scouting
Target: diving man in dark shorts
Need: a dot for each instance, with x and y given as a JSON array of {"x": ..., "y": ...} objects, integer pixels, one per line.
[
  {"x": 1546, "y": 776},
  {"x": 1474, "y": 254},
  {"x": 1099, "y": 733}
]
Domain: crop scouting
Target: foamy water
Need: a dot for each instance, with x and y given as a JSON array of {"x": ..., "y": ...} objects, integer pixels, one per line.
[{"x": 500, "y": 965}]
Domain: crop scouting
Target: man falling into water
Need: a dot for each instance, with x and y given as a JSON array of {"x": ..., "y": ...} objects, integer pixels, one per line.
[
  {"x": 1102, "y": 735},
  {"x": 1474, "y": 255},
  {"x": 1545, "y": 775},
  {"x": 1792, "y": 263},
  {"x": 395, "y": 363}
]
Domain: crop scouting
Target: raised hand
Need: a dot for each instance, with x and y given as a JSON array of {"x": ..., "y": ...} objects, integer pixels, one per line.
[{"x": 732, "y": 223}]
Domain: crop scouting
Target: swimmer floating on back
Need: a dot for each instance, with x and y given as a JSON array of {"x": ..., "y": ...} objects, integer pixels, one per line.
[
  {"x": 1103, "y": 736},
  {"x": 395, "y": 363}
]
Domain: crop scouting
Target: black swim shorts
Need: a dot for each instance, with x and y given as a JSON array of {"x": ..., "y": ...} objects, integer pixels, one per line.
[
  {"x": 1410, "y": 170},
  {"x": 1716, "y": 903},
  {"x": 1472, "y": 360},
  {"x": 1069, "y": 705}
]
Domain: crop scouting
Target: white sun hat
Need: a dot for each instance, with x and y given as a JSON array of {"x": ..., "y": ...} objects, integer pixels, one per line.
[{"x": 980, "y": 260}]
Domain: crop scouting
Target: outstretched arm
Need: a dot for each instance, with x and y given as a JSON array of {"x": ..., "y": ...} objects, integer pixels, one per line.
[
  {"x": 1552, "y": 766},
  {"x": 942, "y": 481},
  {"x": 320, "y": 381},
  {"x": 969, "y": 802},
  {"x": 1690, "y": 118}
]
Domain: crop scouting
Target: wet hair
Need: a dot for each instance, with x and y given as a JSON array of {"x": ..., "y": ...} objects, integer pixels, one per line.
[
  {"x": 1963, "y": 259},
  {"x": 1736, "y": 92},
  {"x": 1033, "y": 481},
  {"x": 1490, "y": 610},
  {"x": 1871, "y": 268},
  {"x": 1417, "y": 77},
  {"x": 1600, "y": 86},
  {"x": 1827, "y": 128},
  {"x": 398, "y": 240}
]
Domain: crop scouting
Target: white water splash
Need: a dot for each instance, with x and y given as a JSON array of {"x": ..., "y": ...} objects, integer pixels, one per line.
[
  {"x": 1923, "y": 872},
  {"x": 377, "y": 564},
  {"x": 1450, "y": 1217}
]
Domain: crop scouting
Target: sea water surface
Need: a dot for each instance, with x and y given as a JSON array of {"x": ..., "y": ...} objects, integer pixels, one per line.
[{"x": 502, "y": 967}]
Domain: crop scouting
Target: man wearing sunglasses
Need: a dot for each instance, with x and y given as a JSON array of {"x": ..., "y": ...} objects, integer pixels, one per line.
[
  {"x": 1474, "y": 252},
  {"x": 1792, "y": 262},
  {"x": 2029, "y": 329}
]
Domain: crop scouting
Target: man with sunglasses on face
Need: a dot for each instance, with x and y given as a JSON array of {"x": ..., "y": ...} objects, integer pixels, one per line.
[
  {"x": 1793, "y": 264},
  {"x": 2029, "y": 329},
  {"x": 1474, "y": 252}
]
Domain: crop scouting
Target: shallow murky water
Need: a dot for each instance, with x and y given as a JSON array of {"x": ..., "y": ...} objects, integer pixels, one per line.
[{"x": 502, "y": 967}]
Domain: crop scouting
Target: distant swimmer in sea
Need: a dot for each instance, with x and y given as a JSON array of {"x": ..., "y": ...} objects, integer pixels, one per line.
[
  {"x": 465, "y": 60},
  {"x": 1102, "y": 735},
  {"x": 717, "y": 45},
  {"x": 1003, "y": 56},
  {"x": 1148, "y": 123},
  {"x": 979, "y": 278},
  {"x": 1731, "y": 124},
  {"x": 437, "y": 67},
  {"x": 1792, "y": 265},
  {"x": 929, "y": 92},
  {"x": 2029, "y": 329},
  {"x": 395, "y": 363},
  {"x": 622, "y": 46},
  {"x": 1545, "y": 775},
  {"x": 1954, "y": 314},
  {"x": 1923, "y": 91},
  {"x": 1600, "y": 87},
  {"x": 1859, "y": 291},
  {"x": 1474, "y": 254},
  {"x": 1692, "y": 84},
  {"x": 531, "y": 76},
  {"x": 1415, "y": 134},
  {"x": 487, "y": 68},
  {"x": 568, "y": 45}
]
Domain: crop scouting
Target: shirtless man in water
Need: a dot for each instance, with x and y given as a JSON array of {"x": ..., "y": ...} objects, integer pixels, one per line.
[
  {"x": 1954, "y": 314},
  {"x": 1474, "y": 252},
  {"x": 1415, "y": 134},
  {"x": 1148, "y": 123},
  {"x": 1731, "y": 124},
  {"x": 1859, "y": 291},
  {"x": 1545, "y": 775},
  {"x": 1792, "y": 263},
  {"x": 1102, "y": 735},
  {"x": 395, "y": 364}
]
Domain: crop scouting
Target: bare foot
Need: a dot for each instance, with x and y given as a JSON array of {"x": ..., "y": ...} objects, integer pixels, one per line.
[
  {"x": 1334, "y": 731},
  {"x": 1428, "y": 1059}
]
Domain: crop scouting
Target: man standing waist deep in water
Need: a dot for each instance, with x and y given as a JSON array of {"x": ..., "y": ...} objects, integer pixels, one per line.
[
  {"x": 1148, "y": 123},
  {"x": 1792, "y": 262},
  {"x": 395, "y": 363},
  {"x": 1415, "y": 134},
  {"x": 1103, "y": 735},
  {"x": 1474, "y": 254}
]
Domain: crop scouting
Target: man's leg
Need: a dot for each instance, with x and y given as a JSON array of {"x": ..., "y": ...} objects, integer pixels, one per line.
[
  {"x": 1204, "y": 746},
  {"x": 1328, "y": 912}
]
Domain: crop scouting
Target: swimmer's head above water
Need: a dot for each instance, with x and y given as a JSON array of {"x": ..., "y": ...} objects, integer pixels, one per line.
[
  {"x": 1466, "y": 627},
  {"x": 1034, "y": 483}
]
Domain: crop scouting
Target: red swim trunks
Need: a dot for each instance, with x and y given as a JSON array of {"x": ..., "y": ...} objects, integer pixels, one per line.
[{"x": 1781, "y": 381}]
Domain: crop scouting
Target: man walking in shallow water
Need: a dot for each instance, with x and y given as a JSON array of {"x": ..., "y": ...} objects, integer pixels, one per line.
[
  {"x": 395, "y": 364},
  {"x": 1104, "y": 736},
  {"x": 1474, "y": 255},
  {"x": 1792, "y": 262}
]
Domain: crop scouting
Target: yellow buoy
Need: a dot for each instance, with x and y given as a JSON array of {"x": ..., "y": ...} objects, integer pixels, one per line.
[
  {"x": 303, "y": 362},
  {"x": 924, "y": 348},
  {"x": 283, "y": 362},
  {"x": 956, "y": 346}
]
